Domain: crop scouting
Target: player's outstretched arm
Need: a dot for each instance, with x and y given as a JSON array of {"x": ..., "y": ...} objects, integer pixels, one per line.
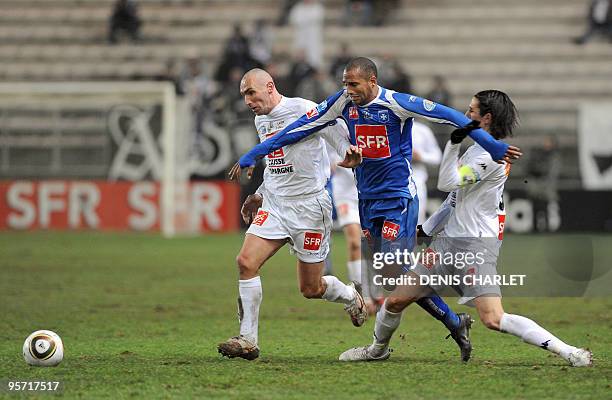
[
  {"x": 414, "y": 106},
  {"x": 313, "y": 121}
]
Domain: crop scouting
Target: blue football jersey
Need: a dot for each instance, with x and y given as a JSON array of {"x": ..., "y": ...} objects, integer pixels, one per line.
[{"x": 383, "y": 130}]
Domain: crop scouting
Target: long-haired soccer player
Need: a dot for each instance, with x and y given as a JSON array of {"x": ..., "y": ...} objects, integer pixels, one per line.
[{"x": 471, "y": 220}]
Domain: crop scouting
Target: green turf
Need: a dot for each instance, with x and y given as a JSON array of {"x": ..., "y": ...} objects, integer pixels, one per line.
[{"x": 140, "y": 317}]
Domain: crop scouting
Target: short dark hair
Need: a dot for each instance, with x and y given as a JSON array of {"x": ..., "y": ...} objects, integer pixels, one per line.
[
  {"x": 364, "y": 65},
  {"x": 504, "y": 115}
]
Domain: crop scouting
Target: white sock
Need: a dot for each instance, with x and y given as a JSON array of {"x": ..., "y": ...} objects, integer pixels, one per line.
[
  {"x": 337, "y": 291},
  {"x": 534, "y": 334},
  {"x": 354, "y": 270},
  {"x": 386, "y": 323},
  {"x": 250, "y": 298}
]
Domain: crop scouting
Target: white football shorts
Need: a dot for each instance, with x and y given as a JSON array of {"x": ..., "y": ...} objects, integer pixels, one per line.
[{"x": 305, "y": 220}]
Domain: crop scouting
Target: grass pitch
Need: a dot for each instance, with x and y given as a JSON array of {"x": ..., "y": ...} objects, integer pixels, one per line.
[{"x": 140, "y": 317}]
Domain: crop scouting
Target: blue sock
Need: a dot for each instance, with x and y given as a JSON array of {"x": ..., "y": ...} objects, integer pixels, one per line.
[{"x": 438, "y": 309}]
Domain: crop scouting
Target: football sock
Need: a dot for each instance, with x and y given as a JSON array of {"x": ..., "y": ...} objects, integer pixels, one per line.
[
  {"x": 337, "y": 291},
  {"x": 249, "y": 302},
  {"x": 534, "y": 334},
  {"x": 438, "y": 309},
  {"x": 354, "y": 270},
  {"x": 386, "y": 323}
]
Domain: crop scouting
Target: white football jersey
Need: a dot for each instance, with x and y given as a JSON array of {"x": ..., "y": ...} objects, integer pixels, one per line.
[
  {"x": 301, "y": 168},
  {"x": 476, "y": 183}
]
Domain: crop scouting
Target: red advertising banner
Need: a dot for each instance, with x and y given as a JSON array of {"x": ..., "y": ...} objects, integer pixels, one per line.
[{"x": 102, "y": 205}]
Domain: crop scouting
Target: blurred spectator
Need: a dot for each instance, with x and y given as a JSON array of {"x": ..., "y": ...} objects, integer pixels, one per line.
[
  {"x": 283, "y": 18},
  {"x": 236, "y": 54},
  {"x": 300, "y": 69},
  {"x": 316, "y": 87},
  {"x": 439, "y": 92},
  {"x": 382, "y": 9},
  {"x": 228, "y": 106},
  {"x": 125, "y": 18},
  {"x": 172, "y": 74},
  {"x": 198, "y": 89},
  {"x": 307, "y": 20},
  {"x": 337, "y": 66},
  {"x": 358, "y": 12},
  {"x": 392, "y": 75},
  {"x": 279, "y": 73},
  {"x": 599, "y": 21},
  {"x": 543, "y": 168},
  {"x": 261, "y": 41}
]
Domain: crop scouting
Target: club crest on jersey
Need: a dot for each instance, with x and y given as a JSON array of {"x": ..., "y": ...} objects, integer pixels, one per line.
[
  {"x": 429, "y": 105},
  {"x": 390, "y": 230},
  {"x": 322, "y": 106},
  {"x": 260, "y": 218},
  {"x": 353, "y": 114},
  {"x": 312, "y": 240},
  {"x": 383, "y": 116}
]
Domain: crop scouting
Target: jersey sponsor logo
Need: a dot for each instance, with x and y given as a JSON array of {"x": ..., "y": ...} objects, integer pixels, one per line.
[
  {"x": 366, "y": 114},
  {"x": 429, "y": 105},
  {"x": 412, "y": 99},
  {"x": 390, "y": 230},
  {"x": 353, "y": 114},
  {"x": 501, "y": 219},
  {"x": 260, "y": 218},
  {"x": 373, "y": 140},
  {"x": 312, "y": 240},
  {"x": 383, "y": 116},
  {"x": 312, "y": 113}
]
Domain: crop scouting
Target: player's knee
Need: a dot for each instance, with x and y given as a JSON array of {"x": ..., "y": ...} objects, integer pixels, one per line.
[
  {"x": 490, "y": 320},
  {"x": 354, "y": 245},
  {"x": 246, "y": 266},
  {"x": 396, "y": 304}
]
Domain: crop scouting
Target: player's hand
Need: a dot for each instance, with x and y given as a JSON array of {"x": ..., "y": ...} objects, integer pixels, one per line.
[
  {"x": 512, "y": 154},
  {"x": 459, "y": 134},
  {"x": 352, "y": 158},
  {"x": 250, "y": 206},
  {"x": 236, "y": 171}
]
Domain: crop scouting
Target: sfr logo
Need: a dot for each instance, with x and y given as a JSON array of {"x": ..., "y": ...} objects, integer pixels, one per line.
[{"x": 312, "y": 240}]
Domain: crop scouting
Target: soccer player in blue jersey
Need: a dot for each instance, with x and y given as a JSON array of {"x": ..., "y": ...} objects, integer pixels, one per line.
[{"x": 380, "y": 122}]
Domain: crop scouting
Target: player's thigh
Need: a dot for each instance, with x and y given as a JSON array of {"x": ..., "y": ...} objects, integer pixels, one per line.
[
  {"x": 256, "y": 251},
  {"x": 309, "y": 226}
]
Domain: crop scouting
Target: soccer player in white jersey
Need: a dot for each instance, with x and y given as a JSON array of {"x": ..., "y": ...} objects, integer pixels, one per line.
[
  {"x": 425, "y": 152},
  {"x": 472, "y": 213},
  {"x": 291, "y": 206}
]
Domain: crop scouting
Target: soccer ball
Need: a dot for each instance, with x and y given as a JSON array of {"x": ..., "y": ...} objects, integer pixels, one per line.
[{"x": 43, "y": 349}]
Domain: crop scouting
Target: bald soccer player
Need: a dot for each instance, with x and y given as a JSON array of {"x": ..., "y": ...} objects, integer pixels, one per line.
[{"x": 291, "y": 206}]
